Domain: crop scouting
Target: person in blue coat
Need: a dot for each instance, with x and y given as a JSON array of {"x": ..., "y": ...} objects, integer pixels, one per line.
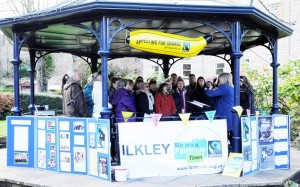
[{"x": 225, "y": 96}]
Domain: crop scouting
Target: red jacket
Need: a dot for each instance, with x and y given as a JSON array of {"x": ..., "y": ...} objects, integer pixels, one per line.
[{"x": 164, "y": 104}]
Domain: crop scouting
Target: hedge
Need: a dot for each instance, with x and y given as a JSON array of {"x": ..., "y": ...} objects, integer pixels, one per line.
[{"x": 7, "y": 102}]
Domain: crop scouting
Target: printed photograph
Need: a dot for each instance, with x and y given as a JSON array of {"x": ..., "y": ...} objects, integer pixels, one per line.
[
  {"x": 79, "y": 159},
  {"x": 51, "y": 125},
  {"x": 64, "y": 141},
  {"x": 51, "y": 138},
  {"x": 20, "y": 158},
  {"x": 266, "y": 129},
  {"x": 78, "y": 126},
  {"x": 103, "y": 171},
  {"x": 92, "y": 141},
  {"x": 65, "y": 161},
  {"x": 102, "y": 142},
  {"x": 41, "y": 158},
  {"x": 267, "y": 157},
  {"x": 52, "y": 151},
  {"x": 247, "y": 153},
  {"x": 51, "y": 163}
]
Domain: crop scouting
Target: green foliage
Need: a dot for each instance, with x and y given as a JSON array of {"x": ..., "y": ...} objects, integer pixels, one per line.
[
  {"x": 54, "y": 101},
  {"x": 288, "y": 91},
  {"x": 49, "y": 66},
  {"x": 23, "y": 71},
  {"x": 3, "y": 128},
  {"x": 4, "y": 88}
]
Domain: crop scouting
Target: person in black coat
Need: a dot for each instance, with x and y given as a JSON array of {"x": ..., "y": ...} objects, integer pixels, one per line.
[
  {"x": 247, "y": 100},
  {"x": 144, "y": 102},
  {"x": 198, "y": 94}
]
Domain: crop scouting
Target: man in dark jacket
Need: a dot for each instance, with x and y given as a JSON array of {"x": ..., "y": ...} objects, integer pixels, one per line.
[{"x": 73, "y": 98}]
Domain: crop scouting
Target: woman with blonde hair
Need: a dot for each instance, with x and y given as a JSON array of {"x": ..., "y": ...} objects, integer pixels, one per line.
[{"x": 225, "y": 98}]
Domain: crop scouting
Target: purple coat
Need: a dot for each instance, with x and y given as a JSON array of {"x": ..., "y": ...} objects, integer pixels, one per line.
[{"x": 121, "y": 101}]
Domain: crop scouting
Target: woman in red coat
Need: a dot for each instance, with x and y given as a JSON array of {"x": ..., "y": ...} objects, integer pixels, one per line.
[{"x": 164, "y": 102}]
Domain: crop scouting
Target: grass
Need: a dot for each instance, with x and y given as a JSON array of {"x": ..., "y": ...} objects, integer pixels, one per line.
[{"x": 3, "y": 128}]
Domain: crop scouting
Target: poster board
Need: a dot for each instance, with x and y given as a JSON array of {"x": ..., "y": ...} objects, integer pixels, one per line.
[
  {"x": 249, "y": 145},
  {"x": 20, "y": 141},
  {"x": 46, "y": 138},
  {"x": 72, "y": 145},
  {"x": 99, "y": 148},
  {"x": 168, "y": 149},
  {"x": 269, "y": 143}
]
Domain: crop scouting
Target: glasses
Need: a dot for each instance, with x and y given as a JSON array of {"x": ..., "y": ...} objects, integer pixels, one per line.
[{"x": 147, "y": 86}]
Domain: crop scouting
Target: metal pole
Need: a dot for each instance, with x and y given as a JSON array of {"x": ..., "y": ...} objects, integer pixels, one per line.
[
  {"x": 275, "y": 65},
  {"x": 166, "y": 68},
  {"x": 104, "y": 53},
  {"x": 31, "y": 71},
  {"x": 16, "y": 62},
  {"x": 236, "y": 55}
]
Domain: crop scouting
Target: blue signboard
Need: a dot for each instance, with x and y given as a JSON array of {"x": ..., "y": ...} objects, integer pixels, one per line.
[{"x": 20, "y": 141}]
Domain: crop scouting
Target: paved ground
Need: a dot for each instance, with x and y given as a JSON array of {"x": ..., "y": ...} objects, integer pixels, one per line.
[{"x": 35, "y": 177}]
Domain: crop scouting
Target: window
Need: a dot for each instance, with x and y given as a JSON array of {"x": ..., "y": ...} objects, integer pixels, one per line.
[
  {"x": 186, "y": 70},
  {"x": 219, "y": 68},
  {"x": 155, "y": 69}
]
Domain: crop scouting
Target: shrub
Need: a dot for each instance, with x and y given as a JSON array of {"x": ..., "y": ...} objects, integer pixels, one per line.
[
  {"x": 54, "y": 101},
  {"x": 7, "y": 102}
]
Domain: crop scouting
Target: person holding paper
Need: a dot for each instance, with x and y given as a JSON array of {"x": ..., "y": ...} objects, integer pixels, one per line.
[
  {"x": 144, "y": 103},
  {"x": 225, "y": 98}
]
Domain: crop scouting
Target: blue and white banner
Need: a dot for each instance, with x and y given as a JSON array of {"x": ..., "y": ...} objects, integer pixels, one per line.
[{"x": 172, "y": 148}]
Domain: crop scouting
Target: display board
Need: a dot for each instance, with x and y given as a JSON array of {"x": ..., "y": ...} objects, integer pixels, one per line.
[
  {"x": 250, "y": 144},
  {"x": 20, "y": 141},
  {"x": 200, "y": 147},
  {"x": 46, "y": 143},
  {"x": 72, "y": 143},
  {"x": 99, "y": 148},
  {"x": 266, "y": 143}
]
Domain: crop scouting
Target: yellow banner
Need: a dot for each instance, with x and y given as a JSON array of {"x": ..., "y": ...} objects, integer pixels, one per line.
[
  {"x": 168, "y": 44},
  {"x": 238, "y": 109},
  {"x": 126, "y": 115},
  {"x": 185, "y": 118}
]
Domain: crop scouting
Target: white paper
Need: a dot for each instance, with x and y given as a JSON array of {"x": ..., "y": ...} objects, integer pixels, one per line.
[
  {"x": 41, "y": 124},
  {"x": 280, "y": 146},
  {"x": 79, "y": 159},
  {"x": 41, "y": 158},
  {"x": 281, "y": 160},
  {"x": 93, "y": 162},
  {"x": 92, "y": 127},
  {"x": 280, "y": 121},
  {"x": 253, "y": 130},
  {"x": 41, "y": 139},
  {"x": 280, "y": 134},
  {"x": 64, "y": 126},
  {"x": 254, "y": 150},
  {"x": 51, "y": 138},
  {"x": 65, "y": 141},
  {"x": 65, "y": 161},
  {"x": 78, "y": 140},
  {"x": 21, "y": 138},
  {"x": 254, "y": 165},
  {"x": 247, "y": 167},
  {"x": 20, "y": 122}
]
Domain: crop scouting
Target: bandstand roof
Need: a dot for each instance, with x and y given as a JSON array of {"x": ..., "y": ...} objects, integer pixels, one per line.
[{"x": 55, "y": 29}]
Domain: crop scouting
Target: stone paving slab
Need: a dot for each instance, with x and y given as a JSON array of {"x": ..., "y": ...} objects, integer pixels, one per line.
[{"x": 42, "y": 178}]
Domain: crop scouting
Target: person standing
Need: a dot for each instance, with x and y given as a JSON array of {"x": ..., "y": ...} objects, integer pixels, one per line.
[
  {"x": 164, "y": 102},
  {"x": 144, "y": 102},
  {"x": 225, "y": 100},
  {"x": 74, "y": 102},
  {"x": 121, "y": 100},
  {"x": 247, "y": 99},
  {"x": 179, "y": 97}
]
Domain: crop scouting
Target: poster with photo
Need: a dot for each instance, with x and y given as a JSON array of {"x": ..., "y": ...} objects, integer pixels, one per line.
[
  {"x": 102, "y": 138},
  {"x": 21, "y": 158},
  {"x": 50, "y": 125},
  {"x": 51, "y": 163},
  {"x": 79, "y": 155},
  {"x": 78, "y": 126},
  {"x": 42, "y": 159},
  {"x": 50, "y": 138},
  {"x": 65, "y": 161},
  {"x": 267, "y": 157},
  {"x": 266, "y": 129},
  {"x": 103, "y": 168},
  {"x": 64, "y": 141}
]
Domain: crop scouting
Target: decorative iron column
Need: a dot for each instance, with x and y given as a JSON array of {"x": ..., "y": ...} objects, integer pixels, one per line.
[
  {"x": 16, "y": 111},
  {"x": 236, "y": 55},
  {"x": 104, "y": 53},
  {"x": 32, "y": 73},
  {"x": 165, "y": 67},
  {"x": 275, "y": 107}
]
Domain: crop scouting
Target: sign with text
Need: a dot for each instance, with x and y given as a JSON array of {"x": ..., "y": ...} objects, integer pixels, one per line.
[{"x": 172, "y": 148}]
